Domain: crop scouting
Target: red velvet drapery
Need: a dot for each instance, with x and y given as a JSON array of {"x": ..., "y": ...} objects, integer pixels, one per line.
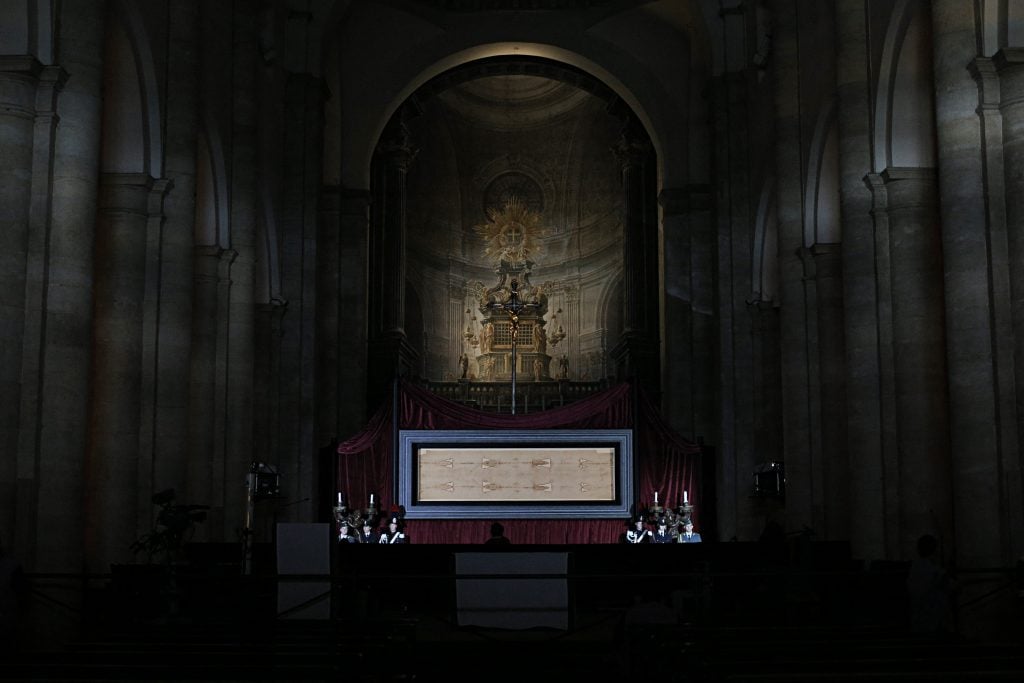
[{"x": 663, "y": 461}]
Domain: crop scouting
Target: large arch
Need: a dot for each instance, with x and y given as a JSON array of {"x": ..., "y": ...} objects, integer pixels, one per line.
[
  {"x": 821, "y": 202},
  {"x": 132, "y": 101},
  {"x": 903, "y": 105},
  {"x": 373, "y": 77}
]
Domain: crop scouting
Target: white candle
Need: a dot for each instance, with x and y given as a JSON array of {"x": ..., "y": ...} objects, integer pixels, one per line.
[
  {"x": 685, "y": 499},
  {"x": 339, "y": 499},
  {"x": 371, "y": 499},
  {"x": 655, "y": 497}
]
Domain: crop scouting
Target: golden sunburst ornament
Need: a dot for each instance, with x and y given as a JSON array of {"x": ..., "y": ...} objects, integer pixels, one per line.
[{"x": 512, "y": 234}]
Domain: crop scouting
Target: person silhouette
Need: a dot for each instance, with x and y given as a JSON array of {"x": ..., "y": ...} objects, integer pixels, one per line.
[
  {"x": 497, "y": 535},
  {"x": 13, "y": 587},
  {"x": 929, "y": 587}
]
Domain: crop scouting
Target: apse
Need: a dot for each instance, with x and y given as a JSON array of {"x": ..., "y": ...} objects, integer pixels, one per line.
[{"x": 514, "y": 165}]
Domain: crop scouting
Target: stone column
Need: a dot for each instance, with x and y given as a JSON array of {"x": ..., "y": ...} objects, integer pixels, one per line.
[
  {"x": 18, "y": 79},
  {"x": 866, "y": 450},
  {"x": 636, "y": 352},
  {"x": 237, "y": 286},
  {"x": 678, "y": 371},
  {"x": 266, "y": 396},
  {"x": 689, "y": 320},
  {"x": 907, "y": 197},
  {"x": 112, "y": 463},
  {"x": 974, "y": 408},
  {"x": 1009, "y": 65},
  {"x": 148, "y": 481},
  {"x": 68, "y": 302},
  {"x": 391, "y": 354},
  {"x": 167, "y": 339},
  {"x": 52, "y": 79},
  {"x": 703, "y": 271},
  {"x": 354, "y": 225},
  {"x": 205, "y": 468},
  {"x": 341, "y": 310},
  {"x": 329, "y": 315},
  {"x": 398, "y": 156},
  {"x": 828, "y": 268},
  {"x": 799, "y": 410}
]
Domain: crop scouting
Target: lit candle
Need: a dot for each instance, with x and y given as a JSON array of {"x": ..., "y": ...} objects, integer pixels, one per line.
[
  {"x": 655, "y": 497},
  {"x": 685, "y": 499}
]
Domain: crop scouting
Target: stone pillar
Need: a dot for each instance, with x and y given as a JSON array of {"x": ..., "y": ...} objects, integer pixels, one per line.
[
  {"x": 678, "y": 370},
  {"x": 18, "y": 79},
  {"x": 51, "y": 80},
  {"x": 237, "y": 285},
  {"x": 703, "y": 265},
  {"x": 68, "y": 302},
  {"x": 354, "y": 225},
  {"x": 866, "y": 449},
  {"x": 799, "y": 410},
  {"x": 167, "y": 336},
  {"x": 689, "y": 310},
  {"x": 329, "y": 315},
  {"x": 635, "y": 354},
  {"x": 907, "y": 197},
  {"x": 631, "y": 151},
  {"x": 397, "y": 155},
  {"x": 112, "y": 463},
  {"x": 391, "y": 355},
  {"x": 205, "y": 469},
  {"x": 266, "y": 396},
  {"x": 1009, "y": 64},
  {"x": 975, "y": 410},
  {"x": 828, "y": 268},
  {"x": 148, "y": 481},
  {"x": 341, "y": 309}
]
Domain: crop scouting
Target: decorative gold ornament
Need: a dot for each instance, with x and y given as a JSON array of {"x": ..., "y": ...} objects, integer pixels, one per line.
[{"x": 512, "y": 234}]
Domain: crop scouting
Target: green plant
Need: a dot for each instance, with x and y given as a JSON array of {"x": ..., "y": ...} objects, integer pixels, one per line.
[{"x": 173, "y": 527}]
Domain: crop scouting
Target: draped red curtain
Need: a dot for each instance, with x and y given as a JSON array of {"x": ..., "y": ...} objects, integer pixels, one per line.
[{"x": 663, "y": 461}]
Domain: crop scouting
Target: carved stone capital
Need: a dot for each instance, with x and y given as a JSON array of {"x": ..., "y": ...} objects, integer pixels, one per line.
[
  {"x": 394, "y": 146},
  {"x": 630, "y": 151}
]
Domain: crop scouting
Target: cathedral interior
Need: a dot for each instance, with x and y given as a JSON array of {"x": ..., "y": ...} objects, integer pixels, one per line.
[{"x": 228, "y": 229}]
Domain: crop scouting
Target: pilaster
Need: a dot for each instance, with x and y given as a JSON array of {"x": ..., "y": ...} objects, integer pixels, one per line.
[
  {"x": 636, "y": 354},
  {"x": 906, "y": 208},
  {"x": 19, "y": 77},
  {"x": 971, "y": 309},
  {"x": 867, "y": 443},
  {"x": 51, "y": 81},
  {"x": 112, "y": 461}
]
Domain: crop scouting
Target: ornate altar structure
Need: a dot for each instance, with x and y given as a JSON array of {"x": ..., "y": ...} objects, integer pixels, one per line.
[
  {"x": 497, "y": 327},
  {"x": 512, "y": 236}
]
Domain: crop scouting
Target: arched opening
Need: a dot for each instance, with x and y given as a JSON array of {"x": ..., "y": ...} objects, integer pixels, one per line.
[{"x": 510, "y": 174}]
